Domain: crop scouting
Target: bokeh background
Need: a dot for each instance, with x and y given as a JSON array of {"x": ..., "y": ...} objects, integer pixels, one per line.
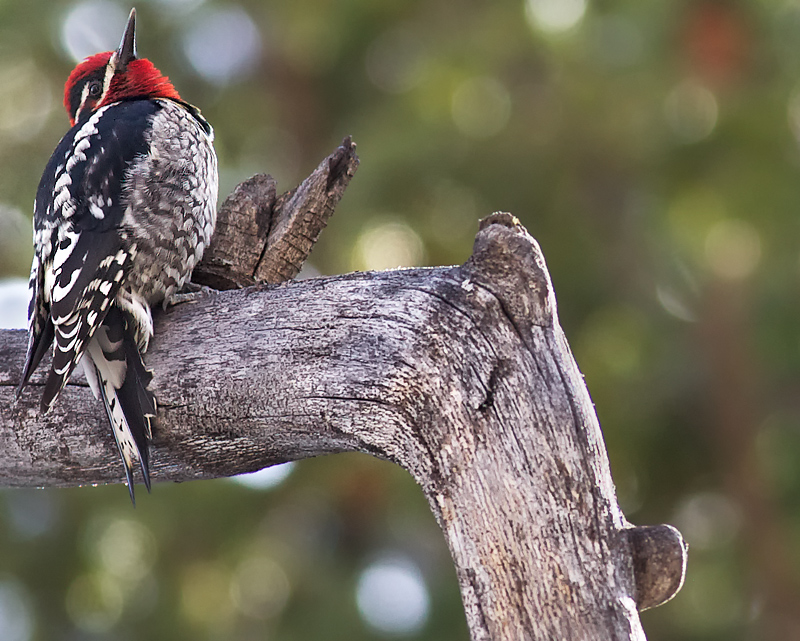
[{"x": 651, "y": 148}]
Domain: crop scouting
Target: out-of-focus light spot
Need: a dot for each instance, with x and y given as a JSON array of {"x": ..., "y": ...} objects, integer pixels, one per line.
[
  {"x": 616, "y": 41},
  {"x": 708, "y": 519},
  {"x": 691, "y": 111},
  {"x": 481, "y": 107},
  {"x": 13, "y": 303},
  {"x": 25, "y": 102},
  {"x": 205, "y": 597},
  {"x": 16, "y": 620},
  {"x": 30, "y": 513},
  {"x": 392, "y": 597},
  {"x": 126, "y": 549},
  {"x": 223, "y": 46},
  {"x": 386, "y": 246},
  {"x": 554, "y": 16},
  {"x": 267, "y": 478},
  {"x": 674, "y": 305},
  {"x": 92, "y": 27},
  {"x": 395, "y": 60},
  {"x": 94, "y": 602},
  {"x": 733, "y": 249},
  {"x": 259, "y": 587}
]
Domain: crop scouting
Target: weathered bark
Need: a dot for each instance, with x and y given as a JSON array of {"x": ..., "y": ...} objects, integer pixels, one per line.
[
  {"x": 263, "y": 238},
  {"x": 461, "y": 375}
]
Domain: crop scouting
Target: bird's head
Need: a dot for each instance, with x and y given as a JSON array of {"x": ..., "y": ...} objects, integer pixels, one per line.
[{"x": 108, "y": 77}]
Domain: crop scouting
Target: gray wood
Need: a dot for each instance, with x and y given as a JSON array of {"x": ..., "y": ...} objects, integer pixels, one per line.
[
  {"x": 265, "y": 238},
  {"x": 461, "y": 375}
]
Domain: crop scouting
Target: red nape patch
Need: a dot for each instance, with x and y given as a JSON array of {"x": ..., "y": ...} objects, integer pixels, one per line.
[
  {"x": 140, "y": 79},
  {"x": 90, "y": 64}
]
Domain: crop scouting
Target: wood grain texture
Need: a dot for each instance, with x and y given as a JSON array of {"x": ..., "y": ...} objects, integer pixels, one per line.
[
  {"x": 265, "y": 238},
  {"x": 461, "y": 375}
]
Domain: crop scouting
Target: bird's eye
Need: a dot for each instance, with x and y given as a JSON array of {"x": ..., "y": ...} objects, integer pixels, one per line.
[{"x": 95, "y": 89}]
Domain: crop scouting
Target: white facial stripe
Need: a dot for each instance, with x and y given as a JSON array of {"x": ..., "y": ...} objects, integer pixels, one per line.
[
  {"x": 110, "y": 67},
  {"x": 84, "y": 96}
]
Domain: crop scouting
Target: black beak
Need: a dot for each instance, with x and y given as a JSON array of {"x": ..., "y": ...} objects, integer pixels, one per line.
[{"x": 127, "y": 48}]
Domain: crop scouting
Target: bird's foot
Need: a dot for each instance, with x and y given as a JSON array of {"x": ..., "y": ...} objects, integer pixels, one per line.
[{"x": 191, "y": 293}]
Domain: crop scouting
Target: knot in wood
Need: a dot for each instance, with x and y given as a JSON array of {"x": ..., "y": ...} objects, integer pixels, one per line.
[{"x": 659, "y": 563}]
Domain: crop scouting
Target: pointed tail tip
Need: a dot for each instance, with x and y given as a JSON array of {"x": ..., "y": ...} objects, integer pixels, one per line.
[
  {"x": 130, "y": 486},
  {"x": 129, "y": 480},
  {"x": 146, "y": 475},
  {"x": 144, "y": 460},
  {"x": 23, "y": 381}
]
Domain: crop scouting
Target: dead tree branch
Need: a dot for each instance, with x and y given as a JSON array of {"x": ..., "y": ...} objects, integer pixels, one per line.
[{"x": 461, "y": 375}]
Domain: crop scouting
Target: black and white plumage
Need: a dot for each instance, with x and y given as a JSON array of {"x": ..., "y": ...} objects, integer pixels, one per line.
[{"x": 124, "y": 210}]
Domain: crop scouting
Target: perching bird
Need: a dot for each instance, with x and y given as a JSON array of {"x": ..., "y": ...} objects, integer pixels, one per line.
[{"x": 124, "y": 210}]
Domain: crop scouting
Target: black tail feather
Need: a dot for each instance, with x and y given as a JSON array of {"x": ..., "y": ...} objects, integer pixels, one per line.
[
  {"x": 37, "y": 347},
  {"x": 129, "y": 476},
  {"x": 136, "y": 402},
  {"x": 142, "y": 401}
]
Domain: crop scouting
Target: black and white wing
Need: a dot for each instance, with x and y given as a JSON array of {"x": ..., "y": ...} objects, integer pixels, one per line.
[
  {"x": 82, "y": 253},
  {"x": 82, "y": 257}
]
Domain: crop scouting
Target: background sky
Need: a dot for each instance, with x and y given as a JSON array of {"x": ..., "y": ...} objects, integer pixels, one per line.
[{"x": 651, "y": 148}]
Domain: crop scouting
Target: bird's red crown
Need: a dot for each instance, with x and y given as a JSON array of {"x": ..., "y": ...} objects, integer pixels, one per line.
[{"x": 109, "y": 77}]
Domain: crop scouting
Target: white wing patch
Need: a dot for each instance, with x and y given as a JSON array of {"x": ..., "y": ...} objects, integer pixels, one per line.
[
  {"x": 64, "y": 247},
  {"x": 57, "y": 291}
]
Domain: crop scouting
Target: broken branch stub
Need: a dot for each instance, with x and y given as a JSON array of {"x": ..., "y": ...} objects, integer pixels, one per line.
[
  {"x": 659, "y": 563},
  {"x": 264, "y": 238}
]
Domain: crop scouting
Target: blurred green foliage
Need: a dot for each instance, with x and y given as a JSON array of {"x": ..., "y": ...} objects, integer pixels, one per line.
[{"x": 651, "y": 148}]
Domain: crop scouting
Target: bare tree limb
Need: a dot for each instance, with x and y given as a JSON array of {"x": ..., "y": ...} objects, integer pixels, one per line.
[{"x": 461, "y": 375}]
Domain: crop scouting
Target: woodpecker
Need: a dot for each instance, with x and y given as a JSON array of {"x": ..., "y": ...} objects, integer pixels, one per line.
[{"x": 123, "y": 212}]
